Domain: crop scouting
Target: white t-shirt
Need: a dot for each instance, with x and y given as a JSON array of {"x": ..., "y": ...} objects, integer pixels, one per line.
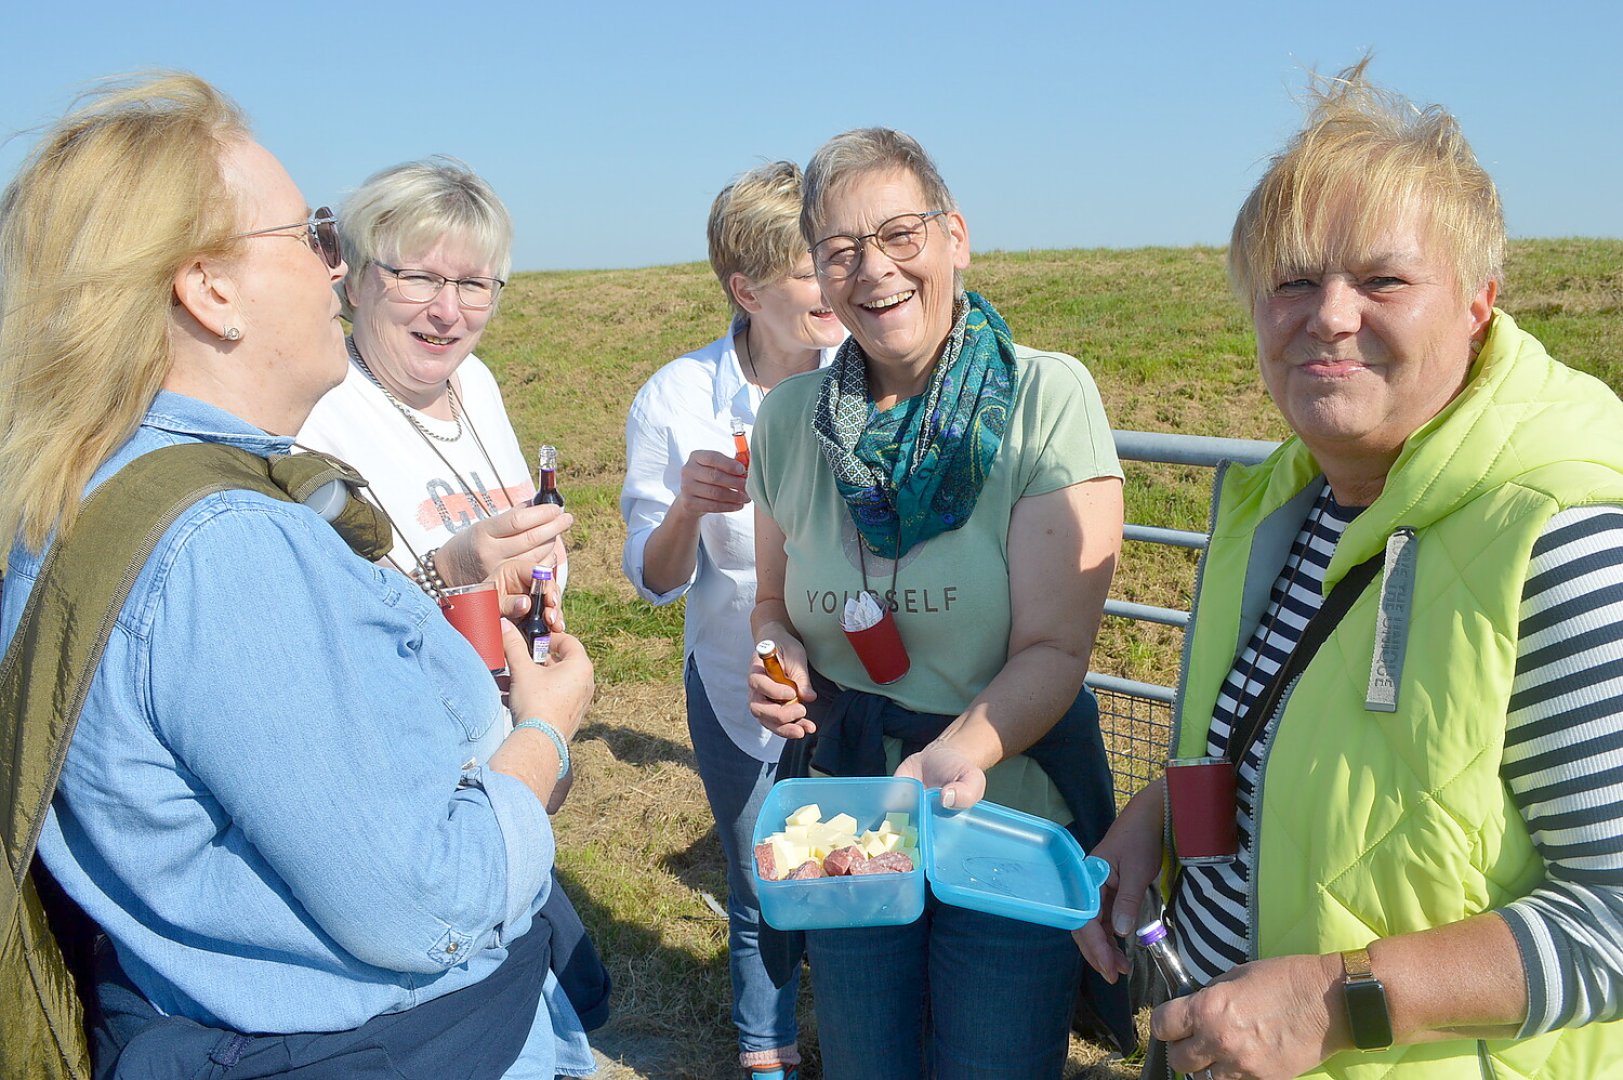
[
  {"x": 689, "y": 404},
  {"x": 428, "y": 497}
]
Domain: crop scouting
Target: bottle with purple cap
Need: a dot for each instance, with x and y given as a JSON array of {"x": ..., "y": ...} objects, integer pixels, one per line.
[
  {"x": 537, "y": 634},
  {"x": 1154, "y": 939}
]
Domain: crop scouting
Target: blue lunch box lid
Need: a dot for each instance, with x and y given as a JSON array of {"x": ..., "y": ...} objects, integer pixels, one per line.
[{"x": 1006, "y": 862}]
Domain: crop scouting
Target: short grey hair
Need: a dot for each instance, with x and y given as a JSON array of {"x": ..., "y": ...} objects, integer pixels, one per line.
[
  {"x": 412, "y": 206},
  {"x": 862, "y": 151}
]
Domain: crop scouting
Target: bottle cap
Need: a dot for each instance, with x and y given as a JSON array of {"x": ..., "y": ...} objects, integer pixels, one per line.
[
  {"x": 1151, "y": 932},
  {"x": 765, "y": 647},
  {"x": 541, "y": 573}
]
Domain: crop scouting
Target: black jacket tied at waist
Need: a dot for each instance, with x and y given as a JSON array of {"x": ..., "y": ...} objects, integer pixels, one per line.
[{"x": 852, "y": 725}]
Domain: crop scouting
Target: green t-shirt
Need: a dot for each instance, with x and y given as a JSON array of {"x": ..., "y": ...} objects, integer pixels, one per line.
[{"x": 951, "y": 597}]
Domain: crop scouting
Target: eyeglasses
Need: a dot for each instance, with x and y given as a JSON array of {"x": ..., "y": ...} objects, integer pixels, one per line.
[
  {"x": 321, "y": 233},
  {"x": 899, "y": 238},
  {"x": 421, "y": 286}
]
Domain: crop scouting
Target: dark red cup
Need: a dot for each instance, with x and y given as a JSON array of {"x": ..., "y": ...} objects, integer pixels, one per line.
[
  {"x": 1200, "y": 796},
  {"x": 476, "y": 613},
  {"x": 880, "y": 649}
]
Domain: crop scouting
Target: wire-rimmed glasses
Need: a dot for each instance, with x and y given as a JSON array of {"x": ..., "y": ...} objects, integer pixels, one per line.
[
  {"x": 421, "y": 286},
  {"x": 321, "y": 233},
  {"x": 899, "y": 238}
]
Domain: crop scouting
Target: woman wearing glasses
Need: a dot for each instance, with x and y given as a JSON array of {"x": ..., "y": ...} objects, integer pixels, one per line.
[
  {"x": 972, "y": 484},
  {"x": 428, "y": 246},
  {"x": 288, "y": 803},
  {"x": 690, "y": 532}
]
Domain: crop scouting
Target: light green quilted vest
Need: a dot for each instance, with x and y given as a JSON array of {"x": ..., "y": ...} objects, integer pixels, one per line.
[{"x": 1382, "y": 823}]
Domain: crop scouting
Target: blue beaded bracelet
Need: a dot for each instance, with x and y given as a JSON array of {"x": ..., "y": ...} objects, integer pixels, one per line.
[{"x": 557, "y": 740}]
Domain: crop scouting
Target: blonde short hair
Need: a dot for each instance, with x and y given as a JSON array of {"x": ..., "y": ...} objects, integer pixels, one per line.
[
  {"x": 753, "y": 228},
  {"x": 857, "y": 153},
  {"x": 406, "y": 209},
  {"x": 116, "y": 197},
  {"x": 1366, "y": 159}
]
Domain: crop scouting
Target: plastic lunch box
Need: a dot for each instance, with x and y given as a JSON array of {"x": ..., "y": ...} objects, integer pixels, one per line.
[{"x": 989, "y": 858}]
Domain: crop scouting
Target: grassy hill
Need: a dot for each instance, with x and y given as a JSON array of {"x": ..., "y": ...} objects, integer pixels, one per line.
[{"x": 1171, "y": 351}]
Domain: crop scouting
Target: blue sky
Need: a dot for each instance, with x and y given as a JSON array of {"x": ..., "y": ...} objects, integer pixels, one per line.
[{"x": 608, "y": 128}]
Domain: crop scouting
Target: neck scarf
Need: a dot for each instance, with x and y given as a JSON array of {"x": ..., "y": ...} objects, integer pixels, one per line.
[{"x": 914, "y": 471}]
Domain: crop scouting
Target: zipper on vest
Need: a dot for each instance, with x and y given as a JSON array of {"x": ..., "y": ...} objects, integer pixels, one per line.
[
  {"x": 1187, "y": 655},
  {"x": 1267, "y": 749}
]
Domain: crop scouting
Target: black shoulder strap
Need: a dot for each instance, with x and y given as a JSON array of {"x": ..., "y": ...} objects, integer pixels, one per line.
[
  {"x": 1318, "y": 628},
  {"x": 44, "y": 679}
]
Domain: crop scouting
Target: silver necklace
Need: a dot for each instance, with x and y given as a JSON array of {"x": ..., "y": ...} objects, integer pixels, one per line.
[{"x": 405, "y": 410}]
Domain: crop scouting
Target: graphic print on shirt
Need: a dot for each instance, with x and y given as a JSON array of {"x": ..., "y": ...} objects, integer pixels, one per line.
[
  {"x": 454, "y": 509},
  {"x": 886, "y": 577}
]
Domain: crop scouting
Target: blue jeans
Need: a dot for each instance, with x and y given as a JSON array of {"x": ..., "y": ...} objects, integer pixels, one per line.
[
  {"x": 736, "y": 784},
  {"x": 956, "y": 994}
]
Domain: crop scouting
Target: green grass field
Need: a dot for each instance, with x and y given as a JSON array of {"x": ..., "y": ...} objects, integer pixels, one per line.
[{"x": 1171, "y": 351}]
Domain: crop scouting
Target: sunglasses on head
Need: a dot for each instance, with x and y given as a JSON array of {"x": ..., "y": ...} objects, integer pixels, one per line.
[{"x": 321, "y": 233}]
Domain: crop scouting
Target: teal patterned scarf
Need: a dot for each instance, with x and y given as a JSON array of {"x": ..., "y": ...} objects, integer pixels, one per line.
[{"x": 914, "y": 471}]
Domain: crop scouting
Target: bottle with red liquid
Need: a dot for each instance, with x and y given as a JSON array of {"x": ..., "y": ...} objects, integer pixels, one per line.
[
  {"x": 741, "y": 443},
  {"x": 547, "y": 492},
  {"x": 537, "y": 634}
]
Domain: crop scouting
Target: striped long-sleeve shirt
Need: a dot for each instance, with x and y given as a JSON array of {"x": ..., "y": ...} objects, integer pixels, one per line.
[{"x": 1563, "y": 764}]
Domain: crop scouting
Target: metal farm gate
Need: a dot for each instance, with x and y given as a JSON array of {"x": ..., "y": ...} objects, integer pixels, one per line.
[{"x": 1137, "y": 716}]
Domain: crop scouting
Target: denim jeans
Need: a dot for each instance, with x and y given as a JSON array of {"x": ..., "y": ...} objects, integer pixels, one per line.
[
  {"x": 736, "y": 784},
  {"x": 956, "y": 994}
]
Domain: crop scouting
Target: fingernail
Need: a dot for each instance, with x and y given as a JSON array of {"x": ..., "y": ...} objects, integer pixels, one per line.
[
  {"x": 949, "y": 798},
  {"x": 1122, "y": 923}
]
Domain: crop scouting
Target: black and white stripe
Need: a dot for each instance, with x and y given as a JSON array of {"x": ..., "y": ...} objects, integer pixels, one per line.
[
  {"x": 1564, "y": 767},
  {"x": 1210, "y": 906},
  {"x": 1563, "y": 764}
]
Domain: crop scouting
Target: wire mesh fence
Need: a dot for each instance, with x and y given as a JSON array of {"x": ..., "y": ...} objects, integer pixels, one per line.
[{"x": 1137, "y": 732}]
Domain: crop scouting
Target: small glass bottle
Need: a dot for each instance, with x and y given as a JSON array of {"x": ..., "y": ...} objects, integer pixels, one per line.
[
  {"x": 1153, "y": 938},
  {"x": 547, "y": 492},
  {"x": 741, "y": 443},
  {"x": 767, "y": 650},
  {"x": 537, "y": 634}
]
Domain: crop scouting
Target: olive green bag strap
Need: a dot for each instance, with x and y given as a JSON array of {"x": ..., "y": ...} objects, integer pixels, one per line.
[{"x": 46, "y": 676}]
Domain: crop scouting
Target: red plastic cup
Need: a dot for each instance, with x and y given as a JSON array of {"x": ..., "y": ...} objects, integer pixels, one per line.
[
  {"x": 477, "y": 616},
  {"x": 1200, "y": 793},
  {"x": 880, "y": 649}
]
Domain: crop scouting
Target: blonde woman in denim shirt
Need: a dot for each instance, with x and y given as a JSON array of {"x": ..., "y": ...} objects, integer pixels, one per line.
[{"x": 287, "y": 804}]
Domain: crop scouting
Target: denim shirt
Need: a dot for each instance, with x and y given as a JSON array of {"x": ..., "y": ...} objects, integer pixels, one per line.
[{"x": 275, "y": 803}]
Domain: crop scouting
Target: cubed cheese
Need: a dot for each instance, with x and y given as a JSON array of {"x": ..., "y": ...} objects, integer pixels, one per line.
[
  {"x": 786, "y": 854},
  {"x": 844, "y": 823},
  {"x": 810, "y": 814}
]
